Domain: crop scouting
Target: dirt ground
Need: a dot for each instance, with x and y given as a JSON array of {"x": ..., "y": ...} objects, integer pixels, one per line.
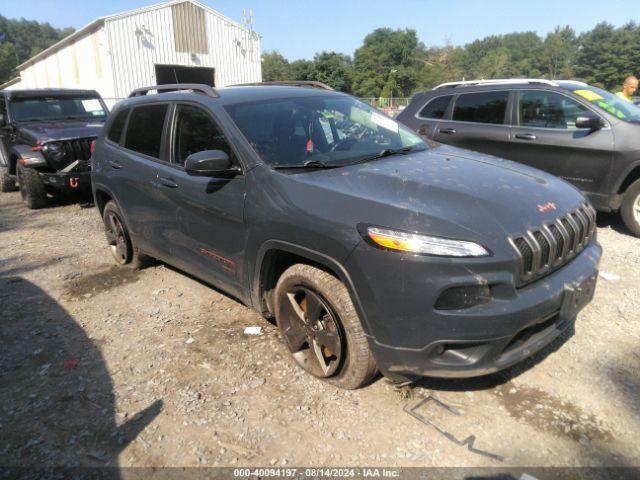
[{"x": 106, "y": 366}]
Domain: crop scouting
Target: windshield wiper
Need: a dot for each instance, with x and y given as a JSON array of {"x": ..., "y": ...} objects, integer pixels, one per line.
[
  {"x": 387, "y": 152},
  {"x": 309, "y": 164}
]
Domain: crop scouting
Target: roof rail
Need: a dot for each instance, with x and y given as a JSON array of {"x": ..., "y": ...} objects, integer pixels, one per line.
[
  {"x": 497, "y": 81},
  {"x": 195, "y": 87},
  {"x": 287, "y": 83}
]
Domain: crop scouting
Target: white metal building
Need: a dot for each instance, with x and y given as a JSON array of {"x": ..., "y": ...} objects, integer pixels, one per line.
[{"x": 181, "y": 41}]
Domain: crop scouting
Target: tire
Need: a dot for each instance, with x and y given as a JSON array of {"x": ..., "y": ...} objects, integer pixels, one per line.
[
  {"x": 303, "y": 289},
  {"x": 630, "y": 208},
  {"x": 7, "y": 181},
  {"x": 32, "y": 188},
  {"x": 123, "y": 249}
]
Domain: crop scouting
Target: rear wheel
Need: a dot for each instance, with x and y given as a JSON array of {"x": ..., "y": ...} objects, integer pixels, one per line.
[
  {"x": 7, "y": 181},
  {"x": 32, "y": 188},
  {"x": 630, "y": 209},
  {"x": 321, "y": 328},
  {"x": 122, "y": 248}
]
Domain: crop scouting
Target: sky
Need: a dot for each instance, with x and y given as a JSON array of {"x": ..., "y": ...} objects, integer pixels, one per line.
[{"x": 301, "y": 28}]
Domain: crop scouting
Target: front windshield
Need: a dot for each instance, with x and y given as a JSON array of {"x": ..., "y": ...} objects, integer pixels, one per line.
[
  {"x": 56, "y": 107},
  {"x": 331, "y": 130},
  {"x": 607, "y": 101}
]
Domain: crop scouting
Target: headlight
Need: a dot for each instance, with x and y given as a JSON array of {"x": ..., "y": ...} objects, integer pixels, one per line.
[
  {"x": 424, "y": 244},
  {"x": 54, "y": 151}
]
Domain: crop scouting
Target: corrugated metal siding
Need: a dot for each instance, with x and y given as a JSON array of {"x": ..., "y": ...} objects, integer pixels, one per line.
[{"x": 139, "y": 42}]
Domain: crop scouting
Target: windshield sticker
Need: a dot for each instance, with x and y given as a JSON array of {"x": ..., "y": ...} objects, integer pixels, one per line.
[
  {"x": 385, "y": 122},
  {"x": 589, "y": 95},
  {"x": 92, "y": 105}
]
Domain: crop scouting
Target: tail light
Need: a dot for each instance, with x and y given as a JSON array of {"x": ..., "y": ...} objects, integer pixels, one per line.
[{"x": 92, "y": 147}]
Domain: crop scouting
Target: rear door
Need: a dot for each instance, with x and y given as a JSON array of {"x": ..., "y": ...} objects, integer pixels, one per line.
[
  {"x": 135, "y": 171},
  {"x": 206, "y": 226},
  {"x": 426, "y": 120},
  {"x": 479, "y": 122},
  {"x": 545, "y": 136}
]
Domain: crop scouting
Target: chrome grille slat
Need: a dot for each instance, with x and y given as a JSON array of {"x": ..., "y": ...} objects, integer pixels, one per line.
[{"x": 554, "y": 243}]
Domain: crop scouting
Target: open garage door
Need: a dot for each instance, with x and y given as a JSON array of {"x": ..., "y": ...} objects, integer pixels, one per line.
[{"x": 166, "y": 74}]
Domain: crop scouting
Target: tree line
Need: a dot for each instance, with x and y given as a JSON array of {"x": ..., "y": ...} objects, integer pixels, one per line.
[
  {"x": 395, "y": 63},
  {"x": 21, "y": 40}
]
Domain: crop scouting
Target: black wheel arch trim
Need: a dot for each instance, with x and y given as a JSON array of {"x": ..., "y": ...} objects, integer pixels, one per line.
[
  {"x": 313, "y": 255},
  {"x": 624, "y": 175},
  {"x": 25, "y": 152}
]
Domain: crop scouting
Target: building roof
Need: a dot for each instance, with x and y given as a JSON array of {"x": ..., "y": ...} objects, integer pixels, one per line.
[
  {"x": 13, "y": 81},
  {"x": 99, "y": 22}
]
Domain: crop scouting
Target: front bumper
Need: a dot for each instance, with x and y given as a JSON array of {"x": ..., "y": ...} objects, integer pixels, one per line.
[
  {"x": 409, "y": 338},
  {"x": 69, "y": 182}
]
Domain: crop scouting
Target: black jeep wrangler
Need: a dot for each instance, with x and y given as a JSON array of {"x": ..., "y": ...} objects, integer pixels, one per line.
[{"x": 45, "y": 141}]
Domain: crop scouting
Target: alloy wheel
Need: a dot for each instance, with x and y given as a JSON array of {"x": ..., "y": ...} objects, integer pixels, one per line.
[
  {"x": 312, "y": 332},
  {"x": 116, "y": 238}
]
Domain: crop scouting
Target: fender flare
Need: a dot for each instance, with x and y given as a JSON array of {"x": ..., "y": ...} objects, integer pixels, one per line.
[
  {"x": 325, "y": 260},
  {"x": 27, "y": 156},
  {"x": 625, "y": 174}
]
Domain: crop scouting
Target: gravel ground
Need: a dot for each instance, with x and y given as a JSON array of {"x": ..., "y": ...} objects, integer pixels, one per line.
[{"x": 106, "y": 366}]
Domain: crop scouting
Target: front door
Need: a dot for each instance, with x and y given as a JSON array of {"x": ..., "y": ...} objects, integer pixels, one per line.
[
  {"x": 546, "y": 137},
  {"x": 208, "y": 234},
  {"x": 478, "y": 123}
]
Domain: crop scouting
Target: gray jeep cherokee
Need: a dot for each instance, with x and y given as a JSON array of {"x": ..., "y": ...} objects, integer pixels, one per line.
[
  {"x": 372, "y": 249},
  {"x": 581, "y": 133}
]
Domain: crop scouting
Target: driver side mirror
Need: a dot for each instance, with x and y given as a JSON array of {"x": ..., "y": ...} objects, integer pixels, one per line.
[
  {"x": 210, "y": 163},
  {"x": 592, "y": 122}
]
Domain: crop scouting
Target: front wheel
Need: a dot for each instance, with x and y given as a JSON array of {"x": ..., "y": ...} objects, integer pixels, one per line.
[
  {"x": 630, "y": 209},
  {"x": 7, "y": 181},
  {"x": 32, "y": 188},
  {"x": 122, "y": 248},
  {"x": 321, "y": 328}
]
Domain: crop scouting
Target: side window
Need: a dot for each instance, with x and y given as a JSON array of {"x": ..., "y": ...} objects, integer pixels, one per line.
[
  {"x": 481, "y": 107},
  {"x": 195, "y": 131},
  {"x": 549, "y": 110},
  {"x": 117, "y": 126},
  {"x": 436, "y": 108},
  {"x": 144, "y": 133}
]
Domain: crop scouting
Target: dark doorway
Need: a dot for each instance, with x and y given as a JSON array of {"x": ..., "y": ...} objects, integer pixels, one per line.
[{"x": 166, "y": 74}]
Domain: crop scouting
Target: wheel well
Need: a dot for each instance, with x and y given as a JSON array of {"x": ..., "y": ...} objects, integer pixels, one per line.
[
  {"x": 631, "y": 178},
  {"x": 13, "y": 161},
  {"x": 274, "y": 263},
  {"x": 101, "y": 199}
]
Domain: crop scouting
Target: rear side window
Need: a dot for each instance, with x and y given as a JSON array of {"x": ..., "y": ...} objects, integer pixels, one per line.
[
  {"x": 144, "y": 133},
  {"x": 481, "y": 107},
  {"x": 436, "y": 108},
  {"x": 117, "y": 126}
]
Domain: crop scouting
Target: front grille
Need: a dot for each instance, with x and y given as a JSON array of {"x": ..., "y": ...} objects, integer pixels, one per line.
[
  {"x": 79, "y": 149},
  {"x": 542, "y": 251}
]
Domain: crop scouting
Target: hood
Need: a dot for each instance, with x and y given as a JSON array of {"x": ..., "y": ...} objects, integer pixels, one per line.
[
  {"x": 44, "y": 132},
  {"x": 441, "y": 191}
]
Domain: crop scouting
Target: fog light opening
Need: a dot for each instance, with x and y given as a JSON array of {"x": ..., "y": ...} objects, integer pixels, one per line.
[{"x": 460, "y": 298}]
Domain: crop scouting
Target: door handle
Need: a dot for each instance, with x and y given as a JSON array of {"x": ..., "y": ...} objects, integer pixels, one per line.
[
  {"x": 167, "y": 182},
  {"x": 115, "y": 165},
  {"x": 448, "y": 131},
  {"x": 526, "y": 136}
]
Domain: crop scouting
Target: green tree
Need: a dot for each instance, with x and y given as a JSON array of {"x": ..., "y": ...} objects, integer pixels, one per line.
[
  {"x": 559, "y": 53},
  {"x": 302, "y": 70},
  {"x": 8, "y": 62},
  {"x": 385, "y": 50},
  {"x": 608, "y": 55},
  {"x": 334, "y": 69},
  {"x": 275, "y": 67}
]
